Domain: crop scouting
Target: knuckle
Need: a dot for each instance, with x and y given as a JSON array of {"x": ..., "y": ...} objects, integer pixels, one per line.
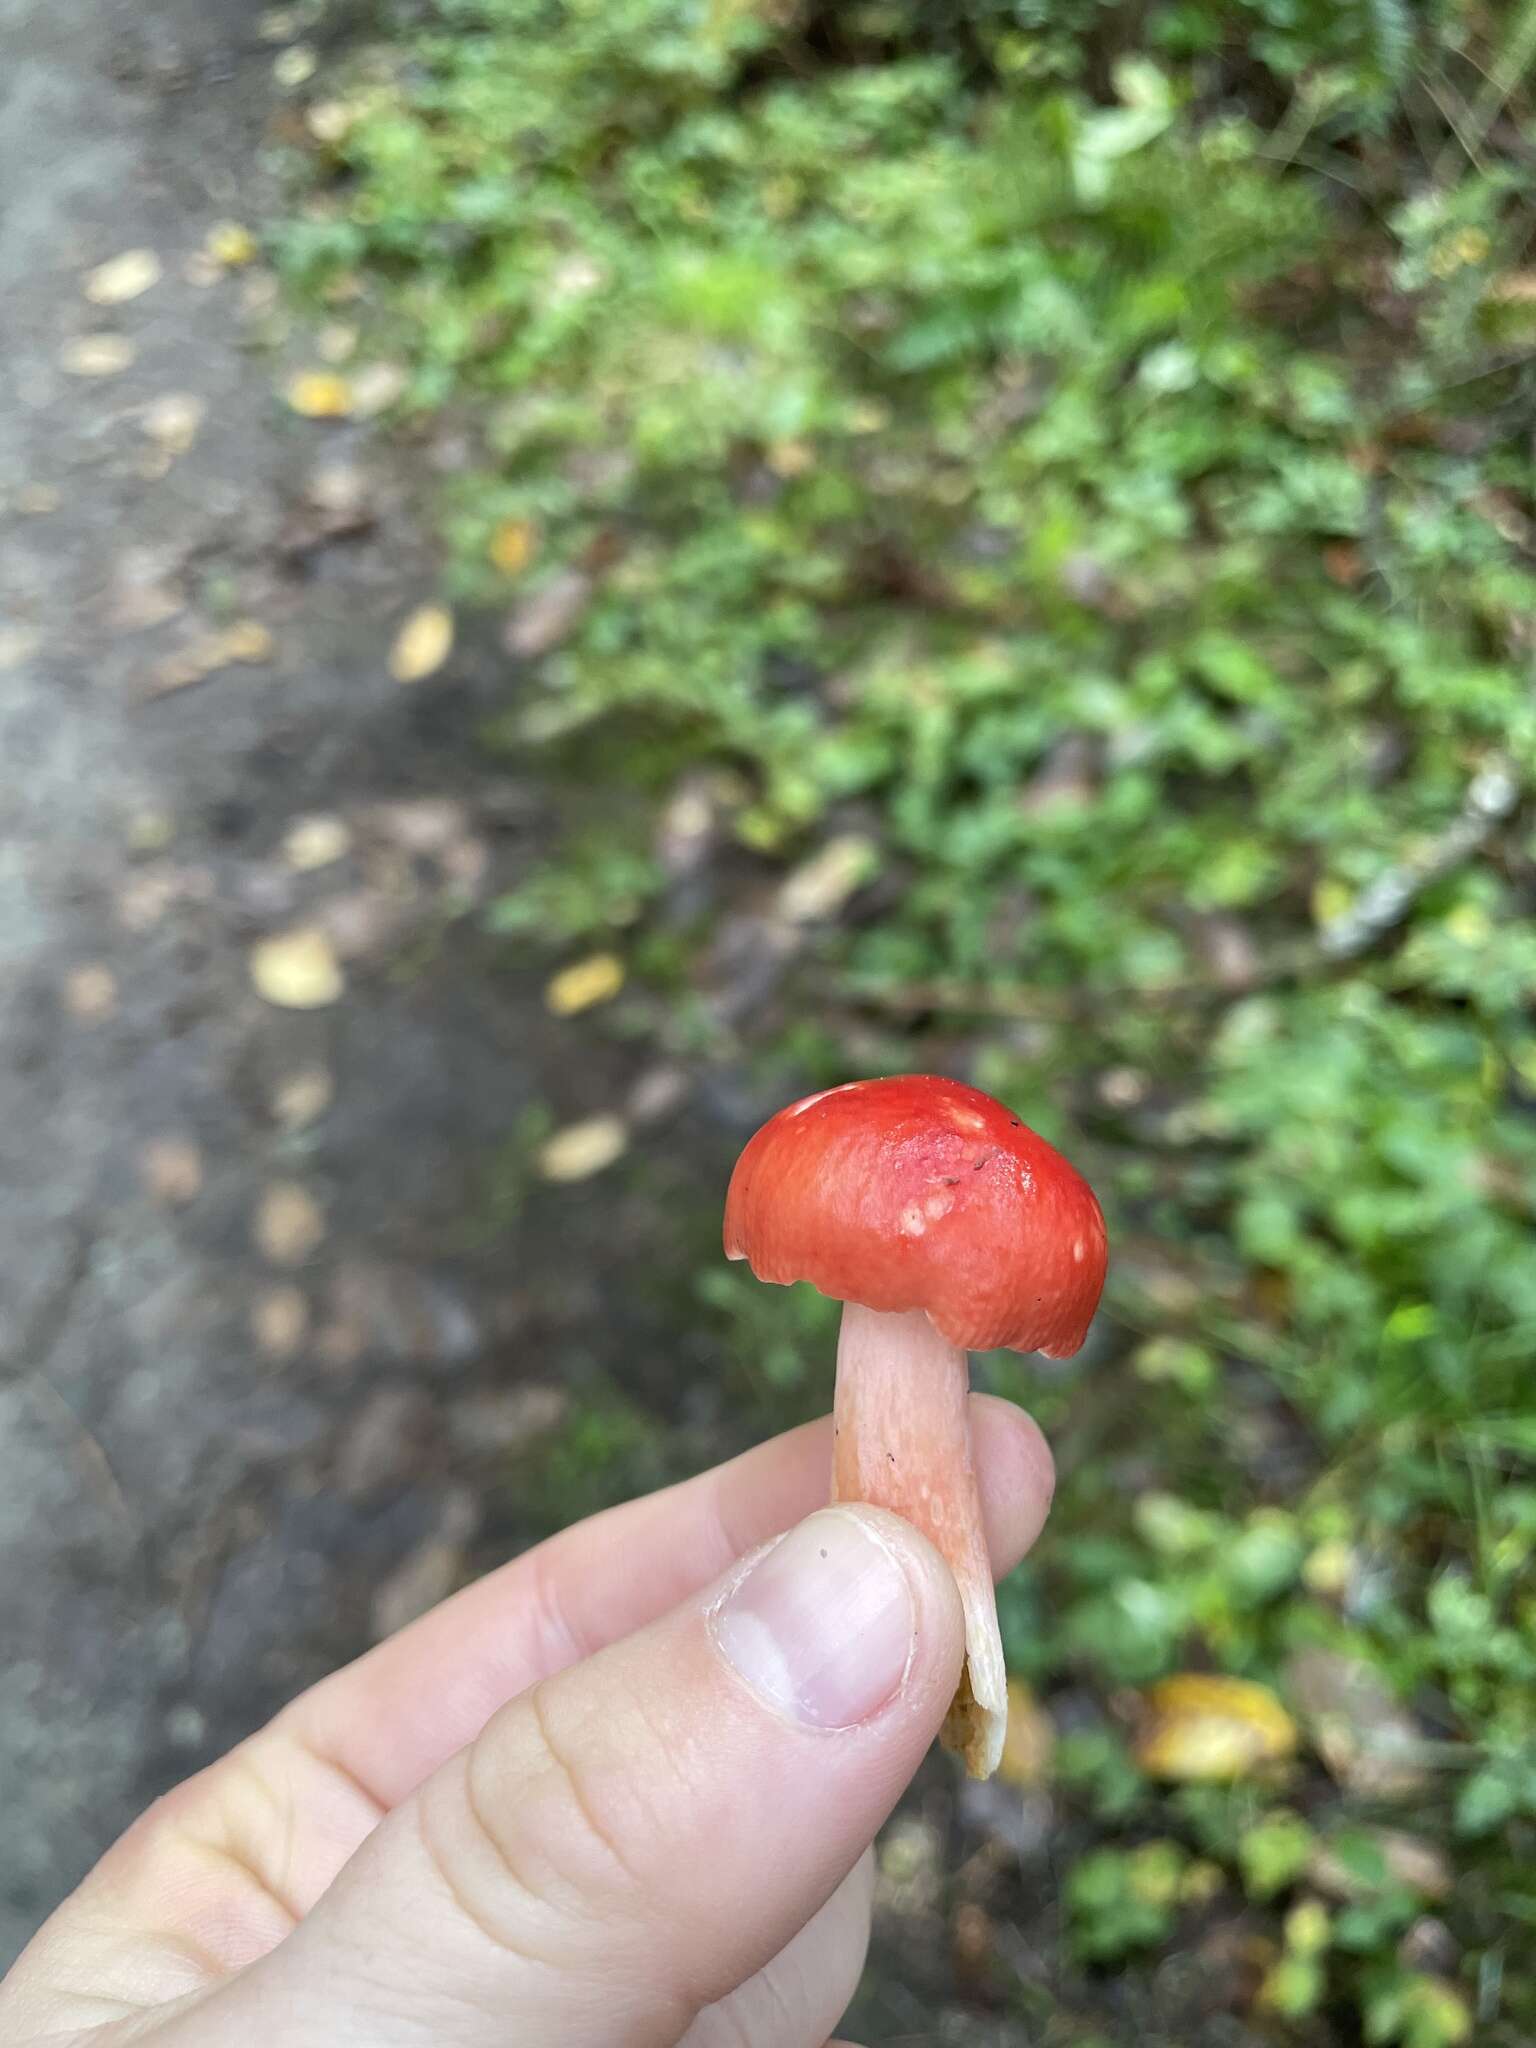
[{"x": 476, "y": 1865}]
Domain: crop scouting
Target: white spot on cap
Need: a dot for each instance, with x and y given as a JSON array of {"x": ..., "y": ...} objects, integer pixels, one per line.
[
  {"x": 966, "y": 1119},
  {"x": 913, "y": 1222},
  {"x": 1079, "y": 1251},
  {"x": 938, "y": 1204}
]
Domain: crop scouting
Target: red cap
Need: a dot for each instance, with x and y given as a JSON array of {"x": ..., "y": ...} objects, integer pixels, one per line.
[{"x": 921, "y": 1193}]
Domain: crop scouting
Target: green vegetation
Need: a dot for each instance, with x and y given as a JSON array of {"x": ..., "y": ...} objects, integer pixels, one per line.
[{"x": 1034, "y": 506}]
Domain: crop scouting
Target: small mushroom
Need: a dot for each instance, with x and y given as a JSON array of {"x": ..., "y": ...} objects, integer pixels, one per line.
[{"x": 944, "y": 1225}]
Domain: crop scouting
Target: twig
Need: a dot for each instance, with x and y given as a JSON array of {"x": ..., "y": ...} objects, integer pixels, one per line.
[{"x": 1491, "y": 796}]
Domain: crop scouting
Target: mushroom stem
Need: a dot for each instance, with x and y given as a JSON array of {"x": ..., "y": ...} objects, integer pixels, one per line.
[{"x": 902, "y": 1440}]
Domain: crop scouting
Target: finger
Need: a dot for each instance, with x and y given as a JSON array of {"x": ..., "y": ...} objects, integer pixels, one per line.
[
  {"x": 223, "y": 1868},
  {"x": 635, "y": 1838},
  {"x": 805, "y": 1989},
  {"x": 391, "y": 1719}
]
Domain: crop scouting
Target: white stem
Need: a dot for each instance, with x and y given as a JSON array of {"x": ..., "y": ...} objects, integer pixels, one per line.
[{"x": 902, "y": 1440}]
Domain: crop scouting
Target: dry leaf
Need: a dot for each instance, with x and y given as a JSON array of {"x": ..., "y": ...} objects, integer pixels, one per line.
[
  {"x": 18, "y": 644},
  {"x": 581, "y": 1150},
  {"x": 289, "y": 1224},
  {"x": 423, "y": 824},
  {"x": 376, "y": 387},
  {"x": 279, "y": 1321},
  {"x": 1366, "y": 1738},
  {"x": 171, "y": 1170},
  {"x": 302, "y": 1096},
  {"x": 96, "y": 355},
  {"x": 125, "y": 277},
  {"x": 585, "y": 984},
  {"x": 90, "y": 993},
  {"x": 511, "y": 546},
  {"x": 311, "y": 843},
  {"x": 466, "y": 861},
  {"x": 145, "y": 589},
  {"x": 1030, "y": 1742},
  {"x": 820, "y": 886},
  {"x": 1343, "y": 563},
  {"x": 297, "y": 970},
  {"x": 361, "y": 922},
  {"x": 329, "y": 121},
  {"x": 791, "y": 458},
  {"x": 295, "y": 67},
  {"x": 320, "y": 395},
  {"x": 230, "y": 245},
  {"x": 174, "y": 419},
  {"x": 656, "y": 1094},
  {"x": 422, "y": 644},
  {"x": 1408, "y": 1860},
  {"x": 335, "y": 342},
  {"x": 549, "y": 616},
  {"x": 247, "y": 642},
  {"x": 1202, "y": 1726}
]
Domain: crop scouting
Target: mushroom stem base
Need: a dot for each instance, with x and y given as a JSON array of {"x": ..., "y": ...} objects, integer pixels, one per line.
[{"x": 902, "y": 1440}]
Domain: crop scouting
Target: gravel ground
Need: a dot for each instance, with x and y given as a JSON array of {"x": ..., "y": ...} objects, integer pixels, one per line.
[{"x": 258, "y": 1365}]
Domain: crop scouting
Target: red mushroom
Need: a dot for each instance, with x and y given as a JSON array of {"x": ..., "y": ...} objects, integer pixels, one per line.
[{"x": 944, "y": 1225}]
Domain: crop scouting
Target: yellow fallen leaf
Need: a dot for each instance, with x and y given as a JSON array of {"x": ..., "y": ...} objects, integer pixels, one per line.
[
  {"x": 295, "y": 67},
  {"x": 289, "y": 1224},
  {"x": 336, "y": 342},
  {"x": 375, "y": 388},
  {"x": 96, "y": 355},
  {"x": 279, "y": 1321},
  {"x": 1201, "y": 1726},
  {"x": 171, "y": 1170},
  {"x": 320, "y": 395},
  {"x": 791, "y": 458},
  {"x": 585, "y": 984},
  {"x": 820, "y": 886},
  {"x": 1030, "y": 1742},
  {"x": 247, "y": 640},
  {"x": 422, "y": 644},
  {"x": 302, "y": 1096},
  {"x": 230, "y": 244},
  {"x": 580, "y": 1150},
  {"x": 329, "y": 121},
  {"x": 18, "y": 644},
  {"x": 297, "y": 969},
  {"x": 173, "y": 420},
  {"x": 90, "y": 993},
  {"x": 311, "y": 843},
  {"x": 125, "y": 277},
  {"x": 1330, "y": 900},
  {"x": 511, "y": 546}
]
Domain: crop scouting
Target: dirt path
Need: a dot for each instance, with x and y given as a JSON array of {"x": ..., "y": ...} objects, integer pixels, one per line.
[{"x": 256, "y": 1369}]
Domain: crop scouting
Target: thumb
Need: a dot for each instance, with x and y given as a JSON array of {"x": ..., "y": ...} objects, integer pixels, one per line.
[{"x": 634, "y": 1838}]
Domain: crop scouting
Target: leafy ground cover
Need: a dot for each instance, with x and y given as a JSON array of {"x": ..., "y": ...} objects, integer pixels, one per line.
[{"x": 1029, "y": 512}]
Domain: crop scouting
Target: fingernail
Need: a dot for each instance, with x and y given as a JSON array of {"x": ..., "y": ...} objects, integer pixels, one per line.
[{"x": 822, "y": 1626}]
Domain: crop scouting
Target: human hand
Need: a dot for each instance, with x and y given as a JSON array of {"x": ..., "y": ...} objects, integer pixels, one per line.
[{"x": 618, "y": 1794}]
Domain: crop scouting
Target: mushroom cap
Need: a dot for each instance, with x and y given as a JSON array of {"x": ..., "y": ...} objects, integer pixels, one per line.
[{"x": 920, "y": 1193}]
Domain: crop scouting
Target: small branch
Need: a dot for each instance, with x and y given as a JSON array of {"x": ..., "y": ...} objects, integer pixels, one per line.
[{"x": 1491, "y": 796}]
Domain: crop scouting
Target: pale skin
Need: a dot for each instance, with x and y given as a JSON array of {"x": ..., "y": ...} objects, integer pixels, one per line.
[{"x": 619, "y": 1794}]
